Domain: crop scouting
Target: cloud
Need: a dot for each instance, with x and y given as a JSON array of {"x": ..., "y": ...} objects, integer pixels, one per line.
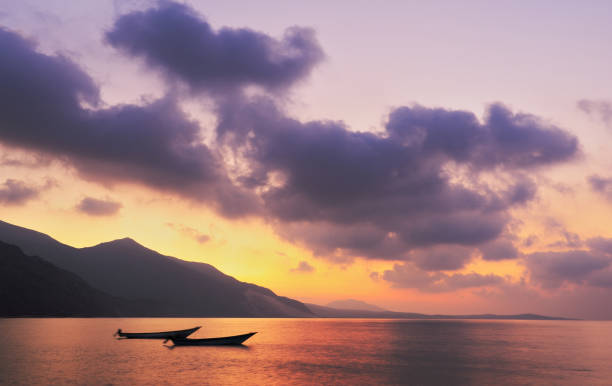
[
  {"x": 441, "y": 258},
  {"x": 601, "y": 185},
  {"x": 503, "y": 139},
  {"x": 530, "y": 241},
  {"x": 432, "y": 178},
  {"x": 600, "y": 244},
  {"x": 343, "y": 242},
  {"x": 30, "y": 161},
  {"x": 417, "y": 185},
  {"x": 408, "y": 275},
  {"x": 501, "y": 249},
  {"x": 153, "y": 144},
  {"x": 16, "y": 192},
  {"x": 98, "y": 207},
  {"x": 601, "y": 109},
  {"x": 303, "y": 267},
  {"x": 569, "y": 239},
  {"x": 554, "y": 269},
  {"x": 173, "y": 38},
  {"x": 190, "y": 232},
  {"x": 520, "y": 297}
]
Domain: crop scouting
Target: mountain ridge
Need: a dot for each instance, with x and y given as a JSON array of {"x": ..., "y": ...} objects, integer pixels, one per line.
[
  {"x": 329, "y": 312},
  {"x": 353, "y": 304},
  {"x": 129, "y": 270},
  {"x": 147, "y": 283},
  {"x": 31, "y": 286}
]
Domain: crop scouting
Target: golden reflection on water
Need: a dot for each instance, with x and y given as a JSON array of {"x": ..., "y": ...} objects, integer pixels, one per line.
[{"x": 308, "y": 351}]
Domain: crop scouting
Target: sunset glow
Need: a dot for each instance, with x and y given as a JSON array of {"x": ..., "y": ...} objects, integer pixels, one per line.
[{"x": 424, "y": 157}]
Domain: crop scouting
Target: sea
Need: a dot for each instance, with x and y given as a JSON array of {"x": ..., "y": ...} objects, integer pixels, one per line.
[{"x": 73, "y": 351}]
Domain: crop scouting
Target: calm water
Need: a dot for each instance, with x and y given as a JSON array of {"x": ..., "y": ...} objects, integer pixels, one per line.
[{"x": 309, "y": 351}]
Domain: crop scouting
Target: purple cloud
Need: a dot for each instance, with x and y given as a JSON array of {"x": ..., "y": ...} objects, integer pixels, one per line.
[
  {"x": 154, "y": 144},
  {"x": 601, "y": 109},
  {"x": 601, "y": 244},
  {"x": 503, "y": 139},
  {"x": 409, "y": 276},
  {"x": 554, "y": 269},
  {"x": 501, "y": 249},
  {"x": 384, "y": 195},
  {"x": 16, "y": 192},
  {"x": 412, "y": 189},
  {"x": 173, "y": 38},
  {"x": 97, "y": 207},
  {"x": 381, "y": 196},
  {"x": 601, "y": 185},
  {"x": 441, "y": 258}
]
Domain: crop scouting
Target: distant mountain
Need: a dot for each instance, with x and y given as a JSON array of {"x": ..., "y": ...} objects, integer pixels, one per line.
[
  {"x": 125, "y": 269},
  {"x": 123, "y": 278},
  {"x": 329, "y": 312},
  {"x": 31, "y": 286},
  {"x": 352, "y": 304}
]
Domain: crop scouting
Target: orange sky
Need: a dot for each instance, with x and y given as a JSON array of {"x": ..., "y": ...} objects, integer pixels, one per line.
[{"x": 366, "y": 74}]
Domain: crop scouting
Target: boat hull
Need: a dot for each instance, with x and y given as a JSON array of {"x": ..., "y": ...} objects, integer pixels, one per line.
[
  {"x": 235, "y": 340},
  {"x": 179, "y": 334}
]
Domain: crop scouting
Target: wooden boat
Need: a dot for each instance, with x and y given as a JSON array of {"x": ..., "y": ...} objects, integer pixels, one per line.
[
  {"x": 179, "y": 334},
  {"x": 223, "y": 341}
]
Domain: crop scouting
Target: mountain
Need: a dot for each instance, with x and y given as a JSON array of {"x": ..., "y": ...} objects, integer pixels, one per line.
[
  {"x": 352, "y": 304},
  {"x": 31, "y": 286},
  {"x": 124, "y": 278},
  {"x": 125, "y": 269},
  {"x": 329, "y": 312}
]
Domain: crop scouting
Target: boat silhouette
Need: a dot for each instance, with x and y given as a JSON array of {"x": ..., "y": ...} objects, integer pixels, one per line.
[
  {"x": 178, "y": 334},
  {"x": 221, "y": 341}
]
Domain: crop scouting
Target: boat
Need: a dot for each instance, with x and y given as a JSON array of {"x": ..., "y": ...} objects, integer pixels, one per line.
[
  {"x": 179, "y": 334},
  {"x": 235, "y": 340}
]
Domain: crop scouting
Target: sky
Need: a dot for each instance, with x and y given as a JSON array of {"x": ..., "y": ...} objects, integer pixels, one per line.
[{"x": 434, "y": 157}]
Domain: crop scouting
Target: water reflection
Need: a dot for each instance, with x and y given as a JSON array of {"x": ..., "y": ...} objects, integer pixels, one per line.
[
  {"x": 212, "y": 347},
  {"x": 308, "y": 351}
]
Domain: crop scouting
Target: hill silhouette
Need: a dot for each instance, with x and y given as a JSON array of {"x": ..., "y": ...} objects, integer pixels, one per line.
[
  {"x": 31, "y": 286},
  {"x": 125, "y": 269},
  {"x": 124, "y": 278},
  {"x": 352, "y": 304}
]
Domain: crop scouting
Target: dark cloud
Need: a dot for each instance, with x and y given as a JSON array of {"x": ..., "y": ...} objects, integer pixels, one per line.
[
  {"x": 441, "y": 258},
  {"x": 343, "y": 242},
  {"x": 154, "y": 144},
  {"x": 15, "y": 192},
  {"x": 602, "y": 279},
  {"x": 503, "y": 139},
  {"x": 409, "y": 276},
  {"x": 383, "y": 195},
  {"x": 462, "y": 229},
  {"x": 600, "y": 244},
  {"x": 303, "y": 267},
  {"x": 554, "y": 269},
  {"x": 190, "y": 232},
  {"x": 424, "y": 182},
  {"x": 601, "y": 185},
  {"x": 176, "y": 40},
  {"x": 600, "y": 109},
  {"x": 98, "y": 207},
  {"x": 501, "y": 249}
]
